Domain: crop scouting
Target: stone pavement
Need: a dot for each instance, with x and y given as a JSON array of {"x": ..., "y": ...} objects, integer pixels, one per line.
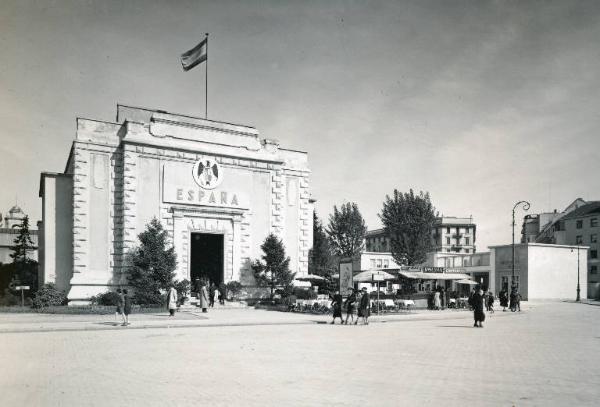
[{"x": 546, "y": 355}]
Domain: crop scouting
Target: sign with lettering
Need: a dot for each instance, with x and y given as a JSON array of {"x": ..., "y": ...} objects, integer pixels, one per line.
[{"x": 181, "y": 185}]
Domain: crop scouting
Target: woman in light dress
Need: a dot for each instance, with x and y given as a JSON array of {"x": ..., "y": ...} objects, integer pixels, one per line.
[
  {"x": 437, "y": 303},
  {"x": 172, "y": 301}
]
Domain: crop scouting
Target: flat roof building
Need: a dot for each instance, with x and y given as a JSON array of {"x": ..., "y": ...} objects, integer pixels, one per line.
[{"x": 216, "y": 187}]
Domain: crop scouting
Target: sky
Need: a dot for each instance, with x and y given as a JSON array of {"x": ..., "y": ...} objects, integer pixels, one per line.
[{"x": 482, "y": 104}]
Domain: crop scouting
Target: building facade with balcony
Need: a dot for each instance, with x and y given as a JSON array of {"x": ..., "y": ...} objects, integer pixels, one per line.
[{"x": 449, "y": 235}]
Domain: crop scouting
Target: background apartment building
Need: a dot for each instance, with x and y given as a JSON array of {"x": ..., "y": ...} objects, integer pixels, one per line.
[{"x": 449, "y": 234}]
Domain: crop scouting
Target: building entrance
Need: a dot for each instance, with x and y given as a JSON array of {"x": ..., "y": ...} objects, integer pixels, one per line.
[{"x": 206, "y": 257}]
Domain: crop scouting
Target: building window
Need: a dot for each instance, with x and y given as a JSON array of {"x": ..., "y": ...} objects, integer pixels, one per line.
[
  {"x": 372, "y": 263},
  {"x": 386, "y": 264},
  {"x": 579, "y": 224},
  {"x": 593, "y": 269},
  {"x": 579, "y": 239},
  {"x": 467, "y": 241},
  {"x": 594, "y": 222},
  {"x": 593, "y": 254},
  {"x": 378, "y": 263},
  {"x": 467, "y": 251},
  {"x": 593, "y": 238}
]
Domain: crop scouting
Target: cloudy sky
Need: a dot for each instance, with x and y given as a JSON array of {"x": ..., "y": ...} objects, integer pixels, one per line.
[{"x": 480, "y": 103}]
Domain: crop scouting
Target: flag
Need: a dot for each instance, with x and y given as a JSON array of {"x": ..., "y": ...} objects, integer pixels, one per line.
[{"x": 195, "y": 56}]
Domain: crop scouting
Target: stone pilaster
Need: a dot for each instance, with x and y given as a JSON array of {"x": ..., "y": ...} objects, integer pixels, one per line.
[
  {"x": 305, "y": 225},
  {"x": 277, "y": 196},
  {"x": 130, "y": 160},
  {"x": 81, "y": 208}
]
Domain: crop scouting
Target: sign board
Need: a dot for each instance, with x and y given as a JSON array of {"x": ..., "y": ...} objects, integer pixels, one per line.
[
  {"x": 22, "y": 287},
  {"x": 346, "y": 280},
  {"x": 377, "y": 277}
]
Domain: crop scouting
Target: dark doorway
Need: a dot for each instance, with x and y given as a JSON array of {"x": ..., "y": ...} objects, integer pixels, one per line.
[{"x": 206, "y": 257}]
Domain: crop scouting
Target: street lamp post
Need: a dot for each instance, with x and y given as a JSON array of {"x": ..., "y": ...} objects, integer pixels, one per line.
[
  {"x": 578, "y": 299},
  {"x": 526, "y": 206}
]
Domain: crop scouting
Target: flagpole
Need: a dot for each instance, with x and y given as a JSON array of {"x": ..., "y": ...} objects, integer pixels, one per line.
[{"x": 206, "y": 82}]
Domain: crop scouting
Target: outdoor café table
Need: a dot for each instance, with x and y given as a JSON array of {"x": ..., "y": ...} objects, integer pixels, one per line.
[
  {"x": 462, "y": 302},
  {"x": 406, "y": 304}
]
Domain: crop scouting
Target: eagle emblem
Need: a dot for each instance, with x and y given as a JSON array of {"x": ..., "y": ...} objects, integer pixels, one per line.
[{"x": 207, "y": 173}]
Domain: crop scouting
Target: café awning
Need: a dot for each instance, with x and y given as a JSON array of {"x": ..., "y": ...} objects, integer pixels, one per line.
[
  {"x": 417, "y": 275},
  {"x": 372, "y": 275}
]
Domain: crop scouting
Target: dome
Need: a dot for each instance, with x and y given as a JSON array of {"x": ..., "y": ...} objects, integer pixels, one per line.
[{"x": 15, "y": 210}]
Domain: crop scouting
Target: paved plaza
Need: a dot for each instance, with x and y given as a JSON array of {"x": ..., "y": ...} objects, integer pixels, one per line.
[{"x": 546, "y": 355}]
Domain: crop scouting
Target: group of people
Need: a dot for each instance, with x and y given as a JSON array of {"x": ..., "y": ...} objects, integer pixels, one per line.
[
  {"x": 206, "y": 296},
  {"x": 480, "y": 300},
  {"x": 514, "y": 297},
  {"x": 123, "y": 307},
  {"x": 357, "y": 300}
]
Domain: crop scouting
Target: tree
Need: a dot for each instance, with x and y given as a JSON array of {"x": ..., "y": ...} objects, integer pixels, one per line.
[
  {"x": 25, "y": 268},
  {"x": 274, "y": 270},
  {"x": 408, "y": 219},
  {"x": 346, "y": 230},
  {"x": 153, "y": 264},
  {"x": 320, "y": 260}
]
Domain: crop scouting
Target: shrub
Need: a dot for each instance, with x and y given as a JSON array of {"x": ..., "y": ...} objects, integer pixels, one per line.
[
  {"x": 183, "y": 289},
  {"x": 47, "y": 296},
  {"x": 304, "y": 293},
  {"x": 234, "y": 287},
  {"x": 107, "y": 298}
]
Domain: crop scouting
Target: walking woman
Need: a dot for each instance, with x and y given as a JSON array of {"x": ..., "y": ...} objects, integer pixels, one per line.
[
  {"x": 437, "y": 304},
  {"x": 172, "y": 301},
  {"x": 126, "y": 307},
  {"x": 503, "y": 297},
  {"x": 364, "y": 309},
  {"x": 350, "y": 305},
  {"x": 336, "y": 304},
  {"x": 478, "y": 308},
  {"x": 203, "y": 294}
]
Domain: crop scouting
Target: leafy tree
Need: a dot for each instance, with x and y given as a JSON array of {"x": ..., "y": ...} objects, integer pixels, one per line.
[
  {"x": 274, "y": 270},
  {"x": 320, "y": 259},
  {"x": 346, "y": 230},
  {"x": 153, "y": 265},
  {"x": 407, "y": 219},
  {"x": 25, "y": 268}
]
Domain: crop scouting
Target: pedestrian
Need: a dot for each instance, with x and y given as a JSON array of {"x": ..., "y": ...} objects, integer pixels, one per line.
[
  {"x": 222, "y": 293},
  {"x": 203, "y": 296},
  {"x": 364, "y": 308},
  {"x": 513, "y": 299},
  {"x": 490, "y": 302},
  {"x": 172, "y": 301},
  {"x": 211, "y": 291},
  {"x": 217, "y": 296},
  {"x": 126, "y": 307},
  {"x": 120, "y": 303},
  {"x": 336, "y": 304},
  {"x": 437, "y": 304},
  {"x": 478, "y": 308},
  {"x": 503, "y": 297},
  {"x": 518, "y": 301},
  {"x": 471, "y": 298},
  {"x": 350, "y": 305}
]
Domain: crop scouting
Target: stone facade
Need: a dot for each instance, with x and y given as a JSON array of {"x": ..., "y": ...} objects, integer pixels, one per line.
[{"x": 125, "y": 173}]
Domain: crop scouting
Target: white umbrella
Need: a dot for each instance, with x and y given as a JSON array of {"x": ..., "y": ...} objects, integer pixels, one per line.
[
  {"x": 311, "y": 277},
  {"x": 465, "y": 281},
  {"x": 373, "y": 275}
]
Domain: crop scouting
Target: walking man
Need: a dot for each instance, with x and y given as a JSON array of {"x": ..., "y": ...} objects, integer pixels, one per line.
[
  {"x": 211, "y": 291},
  {"x": 126, "y": 307},
  {"x": 120, "y": 304},
  {"x": 203, "y": 296}
]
